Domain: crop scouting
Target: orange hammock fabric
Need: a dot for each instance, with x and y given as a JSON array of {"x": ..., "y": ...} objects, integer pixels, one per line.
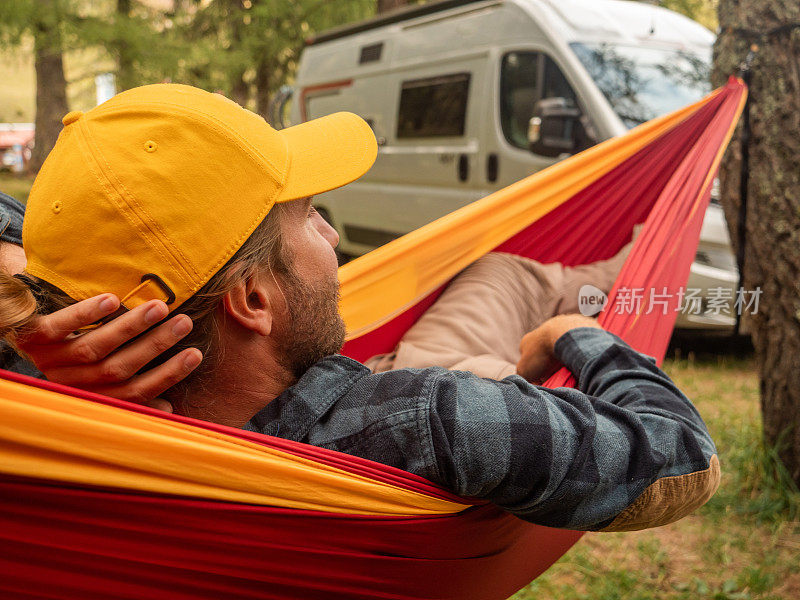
[{"x": 103, "y": 499}]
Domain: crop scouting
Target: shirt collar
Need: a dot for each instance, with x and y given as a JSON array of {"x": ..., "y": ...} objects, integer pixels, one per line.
[{"x": 292, "y": 414}]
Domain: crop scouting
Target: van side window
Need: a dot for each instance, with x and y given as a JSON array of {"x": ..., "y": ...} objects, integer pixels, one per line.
[
  {"x": 519, "y": 91},
  {"x": 433, "y": 107}
]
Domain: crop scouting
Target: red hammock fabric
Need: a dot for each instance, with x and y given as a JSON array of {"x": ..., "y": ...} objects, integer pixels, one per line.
[{"x": 58, "y": 541}]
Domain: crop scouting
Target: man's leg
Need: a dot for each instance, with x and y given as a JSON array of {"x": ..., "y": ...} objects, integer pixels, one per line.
[{"x": 477, "y": 323}]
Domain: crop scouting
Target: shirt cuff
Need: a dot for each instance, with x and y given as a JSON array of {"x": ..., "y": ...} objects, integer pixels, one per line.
[{"x": 576, "y": 347}]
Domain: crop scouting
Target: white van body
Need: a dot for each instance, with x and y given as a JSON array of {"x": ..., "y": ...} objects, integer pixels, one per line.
[{"x": 449, "y": 89}]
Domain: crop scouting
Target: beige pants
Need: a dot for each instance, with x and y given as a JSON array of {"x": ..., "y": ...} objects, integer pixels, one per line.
[{"x": 477, "y": 323}]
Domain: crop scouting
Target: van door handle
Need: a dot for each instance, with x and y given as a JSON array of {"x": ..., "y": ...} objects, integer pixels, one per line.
[
  {"x": 491, "y": 168},
  {"x": 463, "y": 167}
]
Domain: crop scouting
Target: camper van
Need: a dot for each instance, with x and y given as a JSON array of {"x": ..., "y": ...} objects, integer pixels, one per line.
[{"x": 468, "y": 96}]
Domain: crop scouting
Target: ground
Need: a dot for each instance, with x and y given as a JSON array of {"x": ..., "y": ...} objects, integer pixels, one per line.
[{"x": 744, "y": 544}]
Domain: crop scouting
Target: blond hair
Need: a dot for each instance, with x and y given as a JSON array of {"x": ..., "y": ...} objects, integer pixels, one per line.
[{"x": 17, "y": 304}]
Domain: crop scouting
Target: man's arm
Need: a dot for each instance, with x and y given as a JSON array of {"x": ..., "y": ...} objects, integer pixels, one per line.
[{"x": 626, "y": 450}]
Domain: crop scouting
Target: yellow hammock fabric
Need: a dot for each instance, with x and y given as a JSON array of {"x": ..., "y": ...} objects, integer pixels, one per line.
[{"x": 53, "y": 436}]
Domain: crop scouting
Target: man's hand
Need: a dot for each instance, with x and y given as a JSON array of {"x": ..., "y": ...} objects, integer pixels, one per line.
[
  {"x": 99, "y": 361},
  {"x": 537, "y": 361}
]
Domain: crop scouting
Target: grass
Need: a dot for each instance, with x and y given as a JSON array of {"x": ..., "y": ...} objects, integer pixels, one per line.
[
  {"x": 18, "y": 186},
  {"x": 743, "y": 545}
]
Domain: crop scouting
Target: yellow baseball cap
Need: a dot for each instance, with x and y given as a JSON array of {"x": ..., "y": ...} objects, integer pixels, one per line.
[{"x": 149, "y": 194}]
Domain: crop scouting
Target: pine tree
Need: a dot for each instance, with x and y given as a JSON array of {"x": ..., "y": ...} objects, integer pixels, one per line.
[
  {"x": 127, "y": 29},
  {"x": 248, "y": 49},
  {"x": 44, "y": 20}
]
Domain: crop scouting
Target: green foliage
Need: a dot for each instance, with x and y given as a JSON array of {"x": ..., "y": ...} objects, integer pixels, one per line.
[
  {"x": 14, "y": 20},
  {"x": 244, "y": 48},
  {"x": 702, "y": 11},
  {"x": 249, "y": 48},
  {"x": 31, "y": 17},
  {"x": 77, "y": 25},
  {"x": 137, "y": 37},
  {"x": 762, "y": 489}
]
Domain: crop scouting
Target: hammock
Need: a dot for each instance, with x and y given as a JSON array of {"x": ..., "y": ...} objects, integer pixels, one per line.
[{"x": 104, "y": 499}]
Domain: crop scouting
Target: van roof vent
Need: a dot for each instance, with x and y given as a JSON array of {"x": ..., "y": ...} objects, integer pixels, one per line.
[{"x": 371, "y": 53}]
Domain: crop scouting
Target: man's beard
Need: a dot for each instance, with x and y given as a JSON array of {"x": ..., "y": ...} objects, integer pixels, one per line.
[{"x": 315, "y": 329}]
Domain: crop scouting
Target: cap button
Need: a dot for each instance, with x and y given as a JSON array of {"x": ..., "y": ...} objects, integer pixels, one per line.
[{"x": 71, "y": 117}]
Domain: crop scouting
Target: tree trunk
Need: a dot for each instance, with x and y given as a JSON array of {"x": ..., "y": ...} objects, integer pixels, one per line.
[
  {"x": 387, "y": 5},
  {"x": 772, "y": 248},
  {"x": 240, "y": 91},
  {"x": 126, "y": 78},
  {"x": 267, "y": 77},
  {"x": 51, "y": 87}
]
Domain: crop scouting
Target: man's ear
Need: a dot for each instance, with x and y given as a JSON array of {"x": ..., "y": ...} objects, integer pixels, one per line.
[{"x": 249, "y": 305}]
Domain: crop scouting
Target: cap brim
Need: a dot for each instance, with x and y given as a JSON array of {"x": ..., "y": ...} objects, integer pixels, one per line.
[{"x": 327, "y": 153}]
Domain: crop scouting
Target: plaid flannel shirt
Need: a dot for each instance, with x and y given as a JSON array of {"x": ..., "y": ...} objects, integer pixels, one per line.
[{"x": 626, "y": 450}]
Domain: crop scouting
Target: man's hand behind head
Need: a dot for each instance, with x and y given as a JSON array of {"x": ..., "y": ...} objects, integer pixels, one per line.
[
  {"x": 104, "y": 360},
  {"x": 537, "y": 361}
]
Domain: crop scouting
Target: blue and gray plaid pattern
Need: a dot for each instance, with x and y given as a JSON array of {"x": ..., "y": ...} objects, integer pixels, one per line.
[{"x": 570, "y": 458}]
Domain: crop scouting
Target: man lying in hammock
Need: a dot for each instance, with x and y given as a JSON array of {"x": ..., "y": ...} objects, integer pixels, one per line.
[
  {"x": 626, "y": 450},
  {"x": 460, "y": 331}
]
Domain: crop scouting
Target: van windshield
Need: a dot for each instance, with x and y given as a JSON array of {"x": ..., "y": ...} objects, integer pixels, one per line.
[{"x": 644, "y": 83}]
